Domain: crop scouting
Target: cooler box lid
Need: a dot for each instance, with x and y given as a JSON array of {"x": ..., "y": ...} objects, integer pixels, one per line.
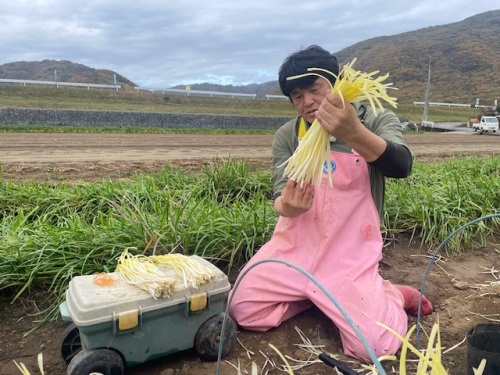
[{"x": 90, "y": 304}]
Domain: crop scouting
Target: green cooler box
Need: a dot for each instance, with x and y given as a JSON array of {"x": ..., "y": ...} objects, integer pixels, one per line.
[{"x": 122, "y": 325}]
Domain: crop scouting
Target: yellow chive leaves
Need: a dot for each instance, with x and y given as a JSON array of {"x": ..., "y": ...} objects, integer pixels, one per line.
[
  {"x": 306, "y": 164},
  {"x": 429, "y": 360}
]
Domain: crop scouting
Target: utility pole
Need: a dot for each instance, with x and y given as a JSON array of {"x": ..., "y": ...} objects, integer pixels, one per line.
[{"x": 426, "y": 104}]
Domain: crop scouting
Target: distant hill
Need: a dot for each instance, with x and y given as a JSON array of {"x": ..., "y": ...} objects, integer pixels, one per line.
[
  {"x": 464, "y": 56},
  {"x": 465, "y": 60},
  {"x": 63, "y": 71},
  {"x": 465, "y": 64}
]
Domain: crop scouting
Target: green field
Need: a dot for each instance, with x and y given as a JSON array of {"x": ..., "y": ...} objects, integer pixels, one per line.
[{"x": 52, "y": 232}]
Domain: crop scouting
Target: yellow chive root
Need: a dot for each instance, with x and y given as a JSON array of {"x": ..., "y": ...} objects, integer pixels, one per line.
[
  {"x": 306, "y": 163},
  {"x": 146, "y": 272}
]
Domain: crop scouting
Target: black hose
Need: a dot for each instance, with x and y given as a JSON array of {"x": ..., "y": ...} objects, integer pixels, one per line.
[{"x": 332, "y": 362}]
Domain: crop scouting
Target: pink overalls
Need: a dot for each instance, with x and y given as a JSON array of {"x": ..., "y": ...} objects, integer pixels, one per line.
[{"x": 338, "y": 241}]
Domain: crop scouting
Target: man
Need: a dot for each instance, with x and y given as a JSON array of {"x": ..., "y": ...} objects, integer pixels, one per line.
[{"x": 331, "y": 232}]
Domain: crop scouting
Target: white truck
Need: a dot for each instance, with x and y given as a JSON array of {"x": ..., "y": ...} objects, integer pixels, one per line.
[{"x": 486, "y": 124}]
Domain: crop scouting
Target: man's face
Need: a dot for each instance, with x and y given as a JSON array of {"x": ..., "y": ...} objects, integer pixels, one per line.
[{"x": 308, "y": 100}]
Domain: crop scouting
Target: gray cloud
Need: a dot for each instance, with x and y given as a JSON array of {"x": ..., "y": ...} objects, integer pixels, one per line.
[{"x": 160, "y": 44}]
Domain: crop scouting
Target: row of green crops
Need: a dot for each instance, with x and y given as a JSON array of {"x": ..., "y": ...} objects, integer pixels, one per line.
[
  {"x": 439, "y": 198},
  {"x": 51, "y": 233},
  {"x": 48, "y": 234}
]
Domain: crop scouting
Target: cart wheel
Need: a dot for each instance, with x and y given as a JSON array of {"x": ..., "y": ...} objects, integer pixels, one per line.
[
  {"x": 101, "y": 361},
  {"x": 71, "y": 343},
  {"x": 208, "y": 337}
]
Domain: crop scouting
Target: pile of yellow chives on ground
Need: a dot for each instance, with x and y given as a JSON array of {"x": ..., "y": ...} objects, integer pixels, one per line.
[
  {"x": 24, "y": 370},
  {"x": 429, "y": 360},
  {"x": 148, "y": 273},
  {"x": 306, "y": 164}
]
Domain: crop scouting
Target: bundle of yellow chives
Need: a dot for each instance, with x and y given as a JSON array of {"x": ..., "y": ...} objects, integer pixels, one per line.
[
  {"x": 146, "y": 272},
  {"x": 193, "y": 273},
  {"x": 306, "y": 164},
  {"x": 142, "y": 272}
]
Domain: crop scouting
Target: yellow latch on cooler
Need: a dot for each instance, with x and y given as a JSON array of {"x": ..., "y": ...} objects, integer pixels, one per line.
[
  {"x": 128, "y": 320},
  {"x": 198, "y": 302}
]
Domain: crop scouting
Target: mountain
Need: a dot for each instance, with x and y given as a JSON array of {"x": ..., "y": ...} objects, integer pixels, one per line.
[
  {"x": 464, "y": 62},
  {"x": 62, "y": 71},
  {"x": 464, "y": 59}
]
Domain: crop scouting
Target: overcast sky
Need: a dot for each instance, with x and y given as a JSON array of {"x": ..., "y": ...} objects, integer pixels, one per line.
[{"x": 163, "y": 43}]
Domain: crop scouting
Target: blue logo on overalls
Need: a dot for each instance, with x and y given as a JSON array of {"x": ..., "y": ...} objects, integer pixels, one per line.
[{"x": 332, "y": 165}]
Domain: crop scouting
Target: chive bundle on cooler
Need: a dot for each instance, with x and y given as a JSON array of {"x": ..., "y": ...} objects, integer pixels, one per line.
[
  {"x": 142, "y": 272},
  {"x": 150, "y": 273},
  {"x": 306, "y": 164},
  {"x": 193, "y": 273}
]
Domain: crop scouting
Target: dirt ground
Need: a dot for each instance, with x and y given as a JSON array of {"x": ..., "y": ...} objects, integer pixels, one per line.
[{"x": 464, "y": 288}]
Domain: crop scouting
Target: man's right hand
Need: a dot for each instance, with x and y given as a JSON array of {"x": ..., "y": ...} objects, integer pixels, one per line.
[{"x": 295, "y": 199}]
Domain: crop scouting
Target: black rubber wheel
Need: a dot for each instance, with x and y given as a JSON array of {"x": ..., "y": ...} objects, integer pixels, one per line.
[
  {"x": 71, "y": 343},
  {"x": 102, "y": 361},
  {"x": 208, "y": 337}
]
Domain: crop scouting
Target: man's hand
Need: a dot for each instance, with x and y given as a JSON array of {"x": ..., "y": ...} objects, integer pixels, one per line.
[
  {"x": 340, "y": 120},
  {"x": 294, "y": 199}
]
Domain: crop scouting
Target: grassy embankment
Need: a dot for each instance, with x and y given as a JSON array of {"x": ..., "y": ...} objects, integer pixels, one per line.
[{"x": 109, "y": 100}]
